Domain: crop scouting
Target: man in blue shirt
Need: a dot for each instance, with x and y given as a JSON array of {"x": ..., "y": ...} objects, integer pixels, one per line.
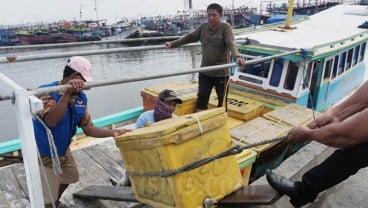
[
  {"x": 164, "y": 108},
  {"x": 63, "y": 112}
]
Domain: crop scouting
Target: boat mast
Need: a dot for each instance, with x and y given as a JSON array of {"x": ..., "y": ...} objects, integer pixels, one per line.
[
  {"x": 96, "y": 10},
  {"x": 289, "y": 14}
]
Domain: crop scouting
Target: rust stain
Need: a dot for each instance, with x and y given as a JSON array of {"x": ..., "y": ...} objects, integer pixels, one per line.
[{"x": 11, "y": 58}]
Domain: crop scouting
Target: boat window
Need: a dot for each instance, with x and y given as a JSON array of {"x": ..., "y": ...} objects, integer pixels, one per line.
[
  {"x": 342, "y": 63},
  {"x": 356, "y": 54},
  {"x": 258, "y": 69},
  {"x": 362, "y": 52},
  {"x": 276, "y": 72},
  {"x": 291, "y": 74},
  {"x": 328, "y": 67},
  {"x": 349, "y": 59},
  {"x": 307, "y": 75},
  {"x": 335, "y": 65}
]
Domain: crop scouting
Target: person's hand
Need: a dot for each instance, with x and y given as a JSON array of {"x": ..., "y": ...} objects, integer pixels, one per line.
[
  {"x": 168, "y": 44},
  {"x": 299, "y": 134},
  {"x": 322, "y": 120},
  {"x": 240, "y": 61},
  {"x": 77, "y": 85},
  {"x": 118, "y": 132}
]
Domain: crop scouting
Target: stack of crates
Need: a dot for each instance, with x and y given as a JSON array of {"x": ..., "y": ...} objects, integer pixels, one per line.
[
  {"x": 259, "y": 129},
  {"x": 293, "y": 115},
  {"x": 173, "y": 143},
  {"x": 239, "y": 107},
  {"x": 187, "y": 92}
]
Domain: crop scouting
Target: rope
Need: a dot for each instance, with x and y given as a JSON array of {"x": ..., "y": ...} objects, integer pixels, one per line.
[
  {"x": 198, "y": 122},
  {"x": 53, "y": 150},
  {"x": 232, "y": 151},
  {"x": 47, "y": 181}
]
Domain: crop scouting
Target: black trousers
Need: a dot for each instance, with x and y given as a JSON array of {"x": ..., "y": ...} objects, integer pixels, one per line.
[
  {"x": 205, "y": 85},
  {"x": 336, "y": 168}
]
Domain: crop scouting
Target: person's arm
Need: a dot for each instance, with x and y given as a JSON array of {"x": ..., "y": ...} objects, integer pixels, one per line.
[
  {"x": 140, "y": 123},
  {"x": 56, "y": 112},
  {"x": 88, "y": 129},
  {"x": 231, "y": 45},
  {"x": 353, "y": 104},
  {"x": 188, "y": 38},
  {"x": 343, "y": 134}
]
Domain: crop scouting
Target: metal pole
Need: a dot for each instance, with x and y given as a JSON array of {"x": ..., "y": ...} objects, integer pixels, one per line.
[
  {"x": 29, "y": 148},
  {"x": 10, "y": 59},
  {"x": 289, "y": 14},
  {"x": 60, "y": 88},
  {"x": 61, "y": 45}
]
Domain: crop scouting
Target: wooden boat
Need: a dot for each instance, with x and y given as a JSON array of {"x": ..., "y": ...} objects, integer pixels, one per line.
[{"x": 308, "y": 73}]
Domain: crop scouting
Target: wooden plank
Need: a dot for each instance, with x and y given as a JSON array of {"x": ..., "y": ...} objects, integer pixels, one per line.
[
  {"x": 97, "y": 153},
  {"x": 3, "y": 201},
  {"x": 251, "y": 194},
  {"x": 107, "y": 192},
  {"x": 13, "y": 193},
  {"x": 20, "y": 174},
  {"x": 110, "y": 149},
  {"x": 91, "y": 173}
]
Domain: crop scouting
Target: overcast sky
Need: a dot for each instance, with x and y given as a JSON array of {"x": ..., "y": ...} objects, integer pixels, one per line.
[{"x": 29, "y": 11}]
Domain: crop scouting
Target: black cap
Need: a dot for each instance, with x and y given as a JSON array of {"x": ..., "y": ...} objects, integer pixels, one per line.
[{"x": 169, "y": 95}]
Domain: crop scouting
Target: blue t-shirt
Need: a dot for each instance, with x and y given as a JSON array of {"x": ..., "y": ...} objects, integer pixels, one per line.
[
  {"x": 145, "y": 119},
  {"x": 65, "y": 129}
]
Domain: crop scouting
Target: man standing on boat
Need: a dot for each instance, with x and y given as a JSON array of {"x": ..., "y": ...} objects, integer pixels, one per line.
[
  {"x": 344, "y": 126},
  {"x": 57, "y": 124},
  {"x": 217, "y": 42}
]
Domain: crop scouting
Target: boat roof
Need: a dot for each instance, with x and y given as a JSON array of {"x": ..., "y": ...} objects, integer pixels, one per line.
[{"x": 334, "y": 24}]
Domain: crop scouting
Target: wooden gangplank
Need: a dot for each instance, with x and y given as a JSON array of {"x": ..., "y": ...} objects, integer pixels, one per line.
[{"x": 247, "y": 195}]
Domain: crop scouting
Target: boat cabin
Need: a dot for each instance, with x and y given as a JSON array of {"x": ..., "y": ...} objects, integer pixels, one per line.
[{"x": 326, "y": 67}]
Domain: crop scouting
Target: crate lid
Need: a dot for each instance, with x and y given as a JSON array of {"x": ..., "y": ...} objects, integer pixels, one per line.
[
  {"x": 259, "y": 129},
  {"x": 238, "y": 104},
  {"x": 292, "y": 114},
  {"x": 168, "y": 126}
]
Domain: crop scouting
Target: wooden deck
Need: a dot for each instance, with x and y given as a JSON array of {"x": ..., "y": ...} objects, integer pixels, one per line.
[{"x": 97, "y": 163}]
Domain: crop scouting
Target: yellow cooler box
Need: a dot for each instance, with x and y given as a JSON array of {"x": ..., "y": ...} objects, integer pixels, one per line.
[
  {"x": 185, "y": 91},
  {"x": 268, "y": 155},
  {"x": 239, "y": 107},
  {"x": 171, "y": 144}
]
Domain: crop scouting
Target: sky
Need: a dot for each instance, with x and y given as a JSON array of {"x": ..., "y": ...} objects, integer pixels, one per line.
[{"x": 31, "y": 11}]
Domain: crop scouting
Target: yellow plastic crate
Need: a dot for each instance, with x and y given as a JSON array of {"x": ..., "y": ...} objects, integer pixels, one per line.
[
  {"x": 239, "y": 107},
  {"x": 259, "y": 129},
  {"x": 170, "y": 144},
  {"x": 185, "y": 91},
  {"x": 245, "y": 161},
  {"x": 270, "y": 155},
  {"x": 291, "y": 114}
]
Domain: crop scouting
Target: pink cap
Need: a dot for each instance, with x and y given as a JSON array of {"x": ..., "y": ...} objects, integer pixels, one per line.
[{"x": 82, "y": 66}]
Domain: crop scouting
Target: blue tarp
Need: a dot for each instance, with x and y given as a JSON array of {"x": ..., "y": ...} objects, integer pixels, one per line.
[{"x": 281, "y": 17}]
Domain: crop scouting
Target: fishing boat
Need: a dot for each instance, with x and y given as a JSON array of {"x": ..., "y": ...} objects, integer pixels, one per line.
[{"x": 291, "y": 72}]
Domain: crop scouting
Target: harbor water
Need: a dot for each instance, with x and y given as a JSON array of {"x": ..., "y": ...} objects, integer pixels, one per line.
[{"x": 102, "y": 100}]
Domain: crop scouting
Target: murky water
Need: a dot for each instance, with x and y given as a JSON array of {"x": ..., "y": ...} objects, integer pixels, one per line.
[{"x": 102, "y": 100}]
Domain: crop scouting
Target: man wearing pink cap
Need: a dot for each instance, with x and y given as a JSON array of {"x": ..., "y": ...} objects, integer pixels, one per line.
[{"x": 62, "y": 114}]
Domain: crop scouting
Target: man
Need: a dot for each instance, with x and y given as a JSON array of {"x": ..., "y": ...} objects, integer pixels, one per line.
[
  {"x": 343, "y": 127},
  {"x": 164, "y": 109},
  {"x": 217, "y": 41},
  {"x": 62, "y": 114}
]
